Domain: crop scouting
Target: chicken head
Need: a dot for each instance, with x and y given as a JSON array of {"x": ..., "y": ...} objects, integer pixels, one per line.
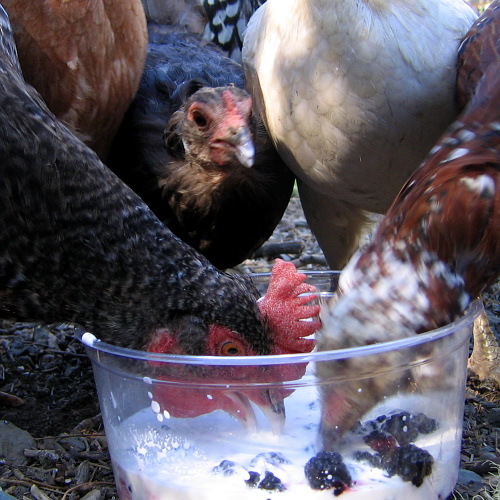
[
  {"x": 290, "y": 316},
  {"x": 216, "y": 127}
]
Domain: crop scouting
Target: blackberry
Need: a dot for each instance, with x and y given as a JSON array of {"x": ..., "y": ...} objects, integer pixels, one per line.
[
  {"x": 230, "y": 468},
  {"x": 326, "y": 470},
  {"x": 271, "y": 483},
  {"x": 401, "y": 427},
  {"x": 375, "y": 460},
  {"x": 253, "y": 480},
  {"x": 409, "y": 462},
  {"x": 362, "y": 428},
  {"x": 225, "y": 465},
  {"x": 381, "y": 442},
  {"x": 425, "y": 424},
  {"x": 406, "y": 427}
]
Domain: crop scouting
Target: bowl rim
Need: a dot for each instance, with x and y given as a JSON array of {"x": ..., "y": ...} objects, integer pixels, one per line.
[
  {"x": 90, "y": 341},
  {"x": 312, "y": 272}
]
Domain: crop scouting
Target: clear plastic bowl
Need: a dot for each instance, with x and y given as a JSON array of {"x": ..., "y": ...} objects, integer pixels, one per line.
[{"x": 163, "y": 446}]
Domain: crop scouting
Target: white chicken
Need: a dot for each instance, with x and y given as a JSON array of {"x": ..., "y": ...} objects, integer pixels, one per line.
[{"x": 354, "y": 94}]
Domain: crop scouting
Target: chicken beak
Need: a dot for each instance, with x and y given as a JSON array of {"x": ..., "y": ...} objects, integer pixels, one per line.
[
  {"x": 235, "y": 142},
  {"x": 242, "y": 410},
  {"x": 270, "y": 402},
  {"x": 274, "y": 410},
  {"x": 244, "y": 147}
]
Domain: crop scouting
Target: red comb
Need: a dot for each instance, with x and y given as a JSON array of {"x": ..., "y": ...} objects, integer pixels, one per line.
[{"x": 287, "y": 308}]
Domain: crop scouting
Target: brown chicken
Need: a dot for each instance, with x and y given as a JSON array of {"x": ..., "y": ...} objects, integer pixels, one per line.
[
  {"x": 436, "y": 249},
  {"x": 84, "y": 57}
]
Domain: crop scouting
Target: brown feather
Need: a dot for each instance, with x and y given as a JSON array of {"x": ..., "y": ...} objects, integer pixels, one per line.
[
  {"x": 435, "y": 250},
  {"x": 84, "y": 57}
]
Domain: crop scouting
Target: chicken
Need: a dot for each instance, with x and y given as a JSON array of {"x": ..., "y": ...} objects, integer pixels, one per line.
[
  {"x": 222, "y": 22},
  {"x": 215, "y": 179},
  {"x": 227, "y": 22},
  {"x": 353, "y": 94},
  {"x": 479, "y": 50},
  {"x": 187, "y": 14},
  {"x": 77, "y": 245},
  {"x": 437, "y": 248},
  {"x": 285, "y": 305},
  {"x": 85, "y": 58}
]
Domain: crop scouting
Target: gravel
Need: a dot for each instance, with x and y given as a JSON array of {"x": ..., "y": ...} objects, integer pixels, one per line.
[{"x": 52, "y": 444}]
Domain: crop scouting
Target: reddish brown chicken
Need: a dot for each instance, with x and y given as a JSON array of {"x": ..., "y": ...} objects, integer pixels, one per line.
[
  {"x": 479, "y": 50},
  {"x": 84, "y": 57},
  {"x": 437, "y": 247}
]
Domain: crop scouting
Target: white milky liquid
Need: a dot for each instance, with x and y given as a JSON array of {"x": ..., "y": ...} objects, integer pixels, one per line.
[{"x": 174, "y": 459}]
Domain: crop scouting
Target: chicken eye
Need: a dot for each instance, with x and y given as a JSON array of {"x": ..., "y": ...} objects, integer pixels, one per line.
[
  {"x": 200, "y": 119},
  {"x": 230, "y": 348}
]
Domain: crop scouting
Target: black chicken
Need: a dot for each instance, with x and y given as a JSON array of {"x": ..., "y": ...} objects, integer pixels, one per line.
[
  {"x": 77, "y": 245},
  {"x": 227, "y": 22},
  {"x": 191, "y": 147}
]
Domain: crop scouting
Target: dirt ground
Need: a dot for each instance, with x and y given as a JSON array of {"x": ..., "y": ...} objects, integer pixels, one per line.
[{"x": 47, "y": 369}]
